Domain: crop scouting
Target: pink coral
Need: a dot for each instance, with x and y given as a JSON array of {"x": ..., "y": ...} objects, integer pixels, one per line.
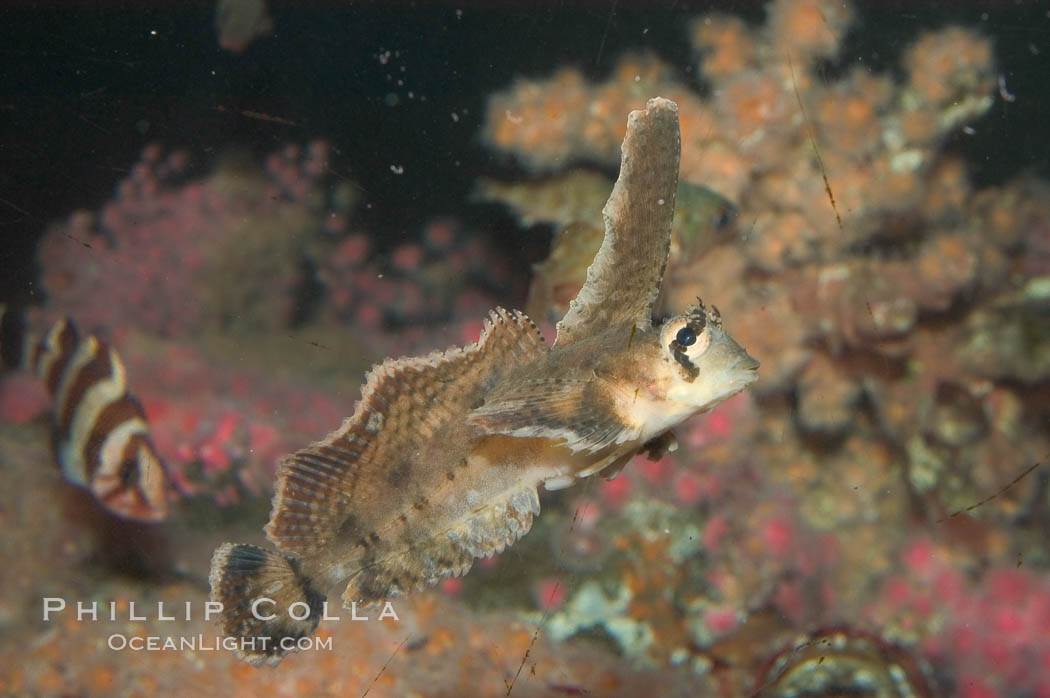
[
  {"x": 444, "y": 276},
  {"x": 183, "y": 256}
]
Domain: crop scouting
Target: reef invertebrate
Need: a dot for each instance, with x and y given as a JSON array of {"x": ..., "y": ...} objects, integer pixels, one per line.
[
  {"x": 226, "y": 250},
  {"x": 843, "y": 662}
]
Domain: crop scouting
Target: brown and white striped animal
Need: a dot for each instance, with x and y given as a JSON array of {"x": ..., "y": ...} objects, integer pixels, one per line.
[{"x": 102, "y": 440}]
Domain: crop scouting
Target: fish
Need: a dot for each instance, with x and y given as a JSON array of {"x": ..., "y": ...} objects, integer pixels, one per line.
[
  {"x": 575, "y": 195},
  {"x": 101, "y": 434},
  {"x": 703, "y": 219},
  {"x": 441, "y": 461}
]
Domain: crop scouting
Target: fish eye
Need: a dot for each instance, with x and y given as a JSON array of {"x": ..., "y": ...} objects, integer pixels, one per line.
[
  {"x": 126, "y": 471},
  {"x": 686, "y": 337},
  {"x": 723, "y": 218}
]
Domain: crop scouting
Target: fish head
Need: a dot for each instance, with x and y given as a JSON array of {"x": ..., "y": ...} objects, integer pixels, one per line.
[
  {"x": 706, "y": 365},
  {"x": 135, "y": 486},
  {"x": 703, "y": 219}
]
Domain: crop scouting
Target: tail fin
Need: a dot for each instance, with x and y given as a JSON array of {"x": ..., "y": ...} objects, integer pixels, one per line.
[{"x": 263, "y": 593}]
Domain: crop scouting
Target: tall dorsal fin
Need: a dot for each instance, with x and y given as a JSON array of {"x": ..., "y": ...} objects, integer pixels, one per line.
[
  {"x": 624, "y": 280},
  {"x": 329, "y": 487}
]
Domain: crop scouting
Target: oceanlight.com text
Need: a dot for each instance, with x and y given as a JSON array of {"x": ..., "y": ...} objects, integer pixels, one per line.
[{"x": 212, "y": 643}]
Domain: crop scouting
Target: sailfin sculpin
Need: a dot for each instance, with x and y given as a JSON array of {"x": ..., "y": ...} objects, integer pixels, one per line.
[{"x": 441, "y": 460}]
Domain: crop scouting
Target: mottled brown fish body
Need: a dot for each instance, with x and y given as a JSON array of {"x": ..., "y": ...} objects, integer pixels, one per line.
[
  {"x": 484, "y": 502},
  {"x": 441, "y": 460}
]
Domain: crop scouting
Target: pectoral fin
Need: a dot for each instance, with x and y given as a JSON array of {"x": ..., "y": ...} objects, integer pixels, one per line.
[
  {"x": 660, "y": 445},
  {"x": 555, "y": 409},
  {"x": 476, "y": 533}
]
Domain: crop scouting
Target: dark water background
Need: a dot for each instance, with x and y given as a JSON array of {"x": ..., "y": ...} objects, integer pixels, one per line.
[{"x": 84, "y": 86}]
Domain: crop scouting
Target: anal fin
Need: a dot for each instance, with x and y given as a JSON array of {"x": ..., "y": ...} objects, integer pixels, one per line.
[
  {"x": 498, "y": 524},
  {"x": 480, "y": 533},
  {"x": 405, "y": 572}
]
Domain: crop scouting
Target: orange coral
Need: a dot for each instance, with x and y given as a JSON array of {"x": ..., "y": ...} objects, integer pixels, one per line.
[
  {"x": 719, "y": 166},
  {"x": 847, "y": 119},
  {"x": 946, "y": 265},
  {"x": 540, "y": 121},
  {"x": 547, "y": 123},
  {"x": 754, "y": 105},
  {"x": 919, "y": 125},
  {"x": 778, "y": 238},
  {"x": 948, "y": 190},
  {"x": 725, "y": 43},
  {"x": 808, "y": 28},
  {"x": 945, "y": 63}
]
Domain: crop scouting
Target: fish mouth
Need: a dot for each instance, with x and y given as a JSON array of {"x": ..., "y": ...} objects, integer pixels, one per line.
[
  {"x": 745, "y": 370},
  {"x": 741, "y": 367},
  {"x": 746, "y": 363}
]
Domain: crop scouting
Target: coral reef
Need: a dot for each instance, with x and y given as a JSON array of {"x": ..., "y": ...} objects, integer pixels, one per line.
[
  {"x": 224, "y": 408},
  {"x": 573, "y": 203},
  {"x": 185, "y": 255},
  {"x": 447, "y": 275},
  {"x": 899, "y": 316},
  {"x": 235, "y": 291},
  {"x": 436, "y": 647},
  {"x": 249, "y": 249},
  {"x": 863, "y": 256}
]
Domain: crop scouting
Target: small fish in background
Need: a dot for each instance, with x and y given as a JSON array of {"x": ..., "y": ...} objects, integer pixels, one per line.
[
  {"x": 704, "y": 219},
  {"x": 240, "y": 22},
  {"x": 441, "y": 460},
  {"x": 102, "y": 440},
  {"x": 560, "y": 199}
]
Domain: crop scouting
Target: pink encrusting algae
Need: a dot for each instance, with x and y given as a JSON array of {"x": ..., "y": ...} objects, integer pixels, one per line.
[
  {"x": 448, "y": 275},
  {"x": 193, "y": 253},
  {"x": 992, "y": 628}
]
